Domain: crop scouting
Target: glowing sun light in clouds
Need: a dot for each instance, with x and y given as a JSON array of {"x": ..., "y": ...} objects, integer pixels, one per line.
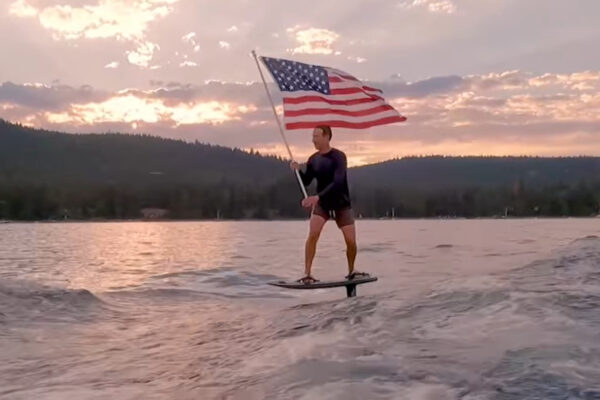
[
  {"x": 127, "y": 20},
  {"x": 132, "y": 110}
]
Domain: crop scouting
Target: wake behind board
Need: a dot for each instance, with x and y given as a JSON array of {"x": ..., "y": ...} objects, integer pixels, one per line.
[{"x": 349, "y": 284}]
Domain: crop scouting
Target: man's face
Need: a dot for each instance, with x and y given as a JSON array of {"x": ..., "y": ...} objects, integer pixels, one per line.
[{"x": 319, "y": 139}]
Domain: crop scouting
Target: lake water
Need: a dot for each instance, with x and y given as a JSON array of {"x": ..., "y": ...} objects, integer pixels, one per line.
[{"x": 463, "y": 309}]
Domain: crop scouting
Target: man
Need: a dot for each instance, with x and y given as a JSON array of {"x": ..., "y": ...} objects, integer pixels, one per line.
[{"x": 328, "y": 166}]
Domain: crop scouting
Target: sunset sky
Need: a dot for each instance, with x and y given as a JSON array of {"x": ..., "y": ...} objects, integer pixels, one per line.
[{"x": 474, "y": 77}]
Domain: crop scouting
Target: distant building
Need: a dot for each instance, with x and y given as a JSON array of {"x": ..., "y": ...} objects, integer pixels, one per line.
[{"x": 154, "y": 213}]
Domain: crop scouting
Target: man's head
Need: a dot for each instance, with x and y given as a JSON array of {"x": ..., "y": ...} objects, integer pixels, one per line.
[{"x": 321, "y": 136}]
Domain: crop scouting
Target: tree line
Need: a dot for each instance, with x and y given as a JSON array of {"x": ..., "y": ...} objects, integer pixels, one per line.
[{"x": 56, "y": 176}]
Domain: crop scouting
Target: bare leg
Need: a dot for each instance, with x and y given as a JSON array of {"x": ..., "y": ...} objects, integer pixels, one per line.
[
  {"x": 349, "y": 232},
  {"x": 316, "y": 226}
]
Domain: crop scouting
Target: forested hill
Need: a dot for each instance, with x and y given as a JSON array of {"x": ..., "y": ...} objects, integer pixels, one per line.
[
  {"x": 30, "y": 155},
  {"x": 435, "y": 173},
  {"x": 53, "y": 175}
]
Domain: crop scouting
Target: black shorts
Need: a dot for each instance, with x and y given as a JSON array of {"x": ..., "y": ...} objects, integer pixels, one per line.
[{"x": 342, "y": 216}]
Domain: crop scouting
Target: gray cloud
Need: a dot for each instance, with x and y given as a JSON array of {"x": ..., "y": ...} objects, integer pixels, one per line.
[
  {"x": 48, "y": 98},
  {"x": 506, "y": 112},
  {"x": 426, "y": 87}
]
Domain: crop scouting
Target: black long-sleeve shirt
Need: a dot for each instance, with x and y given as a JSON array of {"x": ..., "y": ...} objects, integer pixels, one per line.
[{"x": 332, "y": 182}]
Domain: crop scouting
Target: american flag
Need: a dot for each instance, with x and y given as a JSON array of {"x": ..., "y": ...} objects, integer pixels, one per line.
[{"x": 316, "y": 95}]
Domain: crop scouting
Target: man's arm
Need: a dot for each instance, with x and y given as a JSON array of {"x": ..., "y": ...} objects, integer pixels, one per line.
[
  {"x": 308, "y": 175},
  {"x": 338, "y": 175}
]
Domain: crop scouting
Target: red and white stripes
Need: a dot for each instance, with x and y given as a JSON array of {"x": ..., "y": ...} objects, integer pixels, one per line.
[{"x": 350, "y": 104}]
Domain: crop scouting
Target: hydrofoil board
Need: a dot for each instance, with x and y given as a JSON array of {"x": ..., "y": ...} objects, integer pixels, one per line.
[{"x": 350, "y": 284}]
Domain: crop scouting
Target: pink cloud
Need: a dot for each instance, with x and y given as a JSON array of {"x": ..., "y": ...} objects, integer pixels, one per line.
[{"x": 498, "y": 113}]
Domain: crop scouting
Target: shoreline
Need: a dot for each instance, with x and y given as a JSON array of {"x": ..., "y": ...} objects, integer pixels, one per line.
[{"x": 8, "y": 222}]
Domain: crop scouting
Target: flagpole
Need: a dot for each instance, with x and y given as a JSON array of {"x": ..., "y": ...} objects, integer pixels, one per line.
[{"x": 279, "y": 124}]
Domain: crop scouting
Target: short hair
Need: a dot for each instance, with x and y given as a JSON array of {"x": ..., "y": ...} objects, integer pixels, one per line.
[{"x": 326, "y": 129}]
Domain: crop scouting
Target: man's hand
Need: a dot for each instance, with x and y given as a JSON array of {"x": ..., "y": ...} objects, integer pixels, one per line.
[
  {"x": 294, "y": 165},
  {"x": 310, "y": 201}
]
